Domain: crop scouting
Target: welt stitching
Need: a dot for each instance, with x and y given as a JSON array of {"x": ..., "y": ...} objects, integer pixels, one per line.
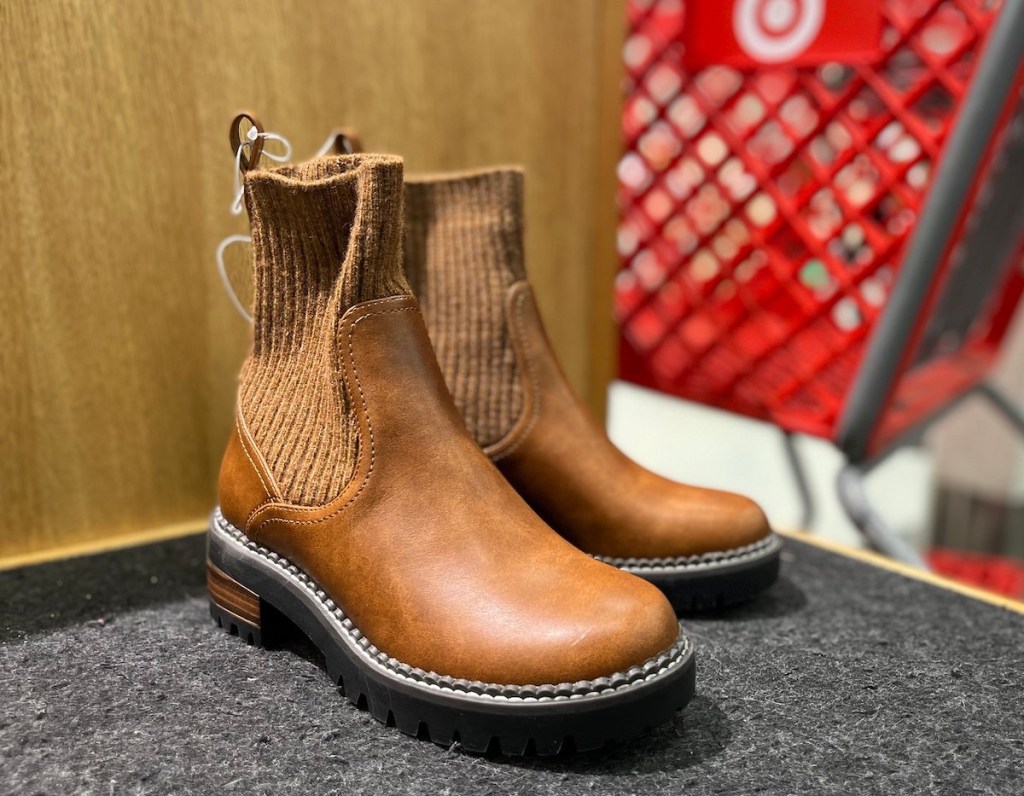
[
  {"x": 617, "y": 681},
  {"x": 701, "y": 560},
  {"x": 369, "y": 426}
]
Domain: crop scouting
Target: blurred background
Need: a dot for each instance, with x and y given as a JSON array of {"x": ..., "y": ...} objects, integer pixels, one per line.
[
  {"x": 787, "y": 233},
  {"x": 820, "y": 234}
]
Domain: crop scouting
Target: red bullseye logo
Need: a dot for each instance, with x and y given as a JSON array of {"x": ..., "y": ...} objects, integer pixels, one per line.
[{"x": 771, "y": 31}]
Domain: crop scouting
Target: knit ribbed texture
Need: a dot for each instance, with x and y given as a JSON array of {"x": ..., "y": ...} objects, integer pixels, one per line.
[
  {"x": 327, "y": 234},
  {"x": 463, "y": 249}
]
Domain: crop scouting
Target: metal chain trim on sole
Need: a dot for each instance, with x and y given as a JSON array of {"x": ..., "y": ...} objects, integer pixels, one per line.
[
  {"x": 759, "y": 549},
  {"x": 602, "y": 686}
]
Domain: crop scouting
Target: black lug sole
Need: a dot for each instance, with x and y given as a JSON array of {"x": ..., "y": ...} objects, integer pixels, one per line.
[
  {"x": 251, "y": 589},
  {"x": 711, "y": 584}
]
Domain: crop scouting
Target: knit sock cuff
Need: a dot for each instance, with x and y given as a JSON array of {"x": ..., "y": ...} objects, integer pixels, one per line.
[
  {"x": 326, "y": 235},
  {"x": 463, "y": 249},
  {"x": 478, "y": 212},
  {"x": 332, "y": 223}
]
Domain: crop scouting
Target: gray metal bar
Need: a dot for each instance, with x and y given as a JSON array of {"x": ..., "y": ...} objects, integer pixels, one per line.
[
  {"x": 803, "y": 486},
  {"x": 850, "y": 486},
  {"x": 1002, "y": 403},
  {"x": 931, "y": 238}
]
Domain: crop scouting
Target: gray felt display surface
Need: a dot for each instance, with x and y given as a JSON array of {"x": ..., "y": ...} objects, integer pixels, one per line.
[{"x": 842, "y": 679}]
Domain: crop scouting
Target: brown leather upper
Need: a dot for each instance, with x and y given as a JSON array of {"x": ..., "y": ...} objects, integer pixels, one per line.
[
  {"x": 428, "y": 549},
  {"x": 563, "y": 463}
]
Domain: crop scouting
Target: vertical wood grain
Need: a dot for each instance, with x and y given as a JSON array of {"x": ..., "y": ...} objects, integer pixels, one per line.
[{"x": 118, "y": 348}]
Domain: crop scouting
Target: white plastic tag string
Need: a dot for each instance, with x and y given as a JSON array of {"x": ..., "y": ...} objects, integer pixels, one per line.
[
  {"x": 252, "y": 136},
  {"x": 223, "y": 271},
  {"x": 248, "y": 152},
  {"x": 340, "y": 142}
]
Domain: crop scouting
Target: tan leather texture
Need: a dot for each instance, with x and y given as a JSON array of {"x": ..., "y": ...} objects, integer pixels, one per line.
[
  {"x": 244, "y": 482},
  {"x": 562, "y": 462},
  {"x": 429, "y": 550}
]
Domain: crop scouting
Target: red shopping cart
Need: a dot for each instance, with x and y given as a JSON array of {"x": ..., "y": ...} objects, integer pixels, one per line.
[{"x": 834, "y": 247}]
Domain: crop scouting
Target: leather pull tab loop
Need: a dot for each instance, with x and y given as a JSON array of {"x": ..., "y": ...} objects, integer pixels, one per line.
[
  {"x": 253, "y": 138},
  {"x": 346, "y": 142}
]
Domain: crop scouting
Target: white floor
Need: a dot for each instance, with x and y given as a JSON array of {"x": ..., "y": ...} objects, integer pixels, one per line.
[{"x": 700, "y": 445}]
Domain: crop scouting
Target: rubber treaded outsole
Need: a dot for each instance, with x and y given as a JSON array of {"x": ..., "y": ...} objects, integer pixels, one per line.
[
  {"x": 713, "y": 580},
  {"x": 251, "y": 587}
]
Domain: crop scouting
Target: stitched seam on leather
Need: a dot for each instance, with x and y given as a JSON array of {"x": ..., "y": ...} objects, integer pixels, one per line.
[
  {"x": 520, "y": 437},
  {"x": 369, "y": 426},
  {"x": 634, "y": 676},
  {"x": 274, "y": 489},
  {"x": 698, "y": 561},
  {"x": 371, "y": 303},
  {"x": 255, "y": 511},
  {"x": 247, "y": 442},
  {"x": 245, "y": 449},
  {"x": 386, "y": 300},
  {"x": 341, "y": 402}
]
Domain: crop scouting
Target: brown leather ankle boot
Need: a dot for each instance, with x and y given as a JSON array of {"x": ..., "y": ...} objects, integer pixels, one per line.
[
  {"x": 464, "y": 259},
  {"x": 354, "y": 504}
]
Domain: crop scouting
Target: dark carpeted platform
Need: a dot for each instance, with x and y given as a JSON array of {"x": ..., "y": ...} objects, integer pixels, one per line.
[{"x": 843, "y": 679}]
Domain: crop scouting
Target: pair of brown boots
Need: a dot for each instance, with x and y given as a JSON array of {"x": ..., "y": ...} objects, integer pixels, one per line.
[{"x": 428, "y": 501}]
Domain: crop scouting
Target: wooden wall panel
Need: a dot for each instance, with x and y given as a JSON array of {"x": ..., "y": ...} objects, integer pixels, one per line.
[{"x": 118, "y": 348}]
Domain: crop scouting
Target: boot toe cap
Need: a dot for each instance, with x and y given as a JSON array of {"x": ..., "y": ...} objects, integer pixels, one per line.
[
  {"x": 746, "y": 523},
  {"x": 619, "y": 621},
  {"x": 637, "y": 626},
  {"x": 599, "y": 624},
  {"x": 695, "y": 521}
]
